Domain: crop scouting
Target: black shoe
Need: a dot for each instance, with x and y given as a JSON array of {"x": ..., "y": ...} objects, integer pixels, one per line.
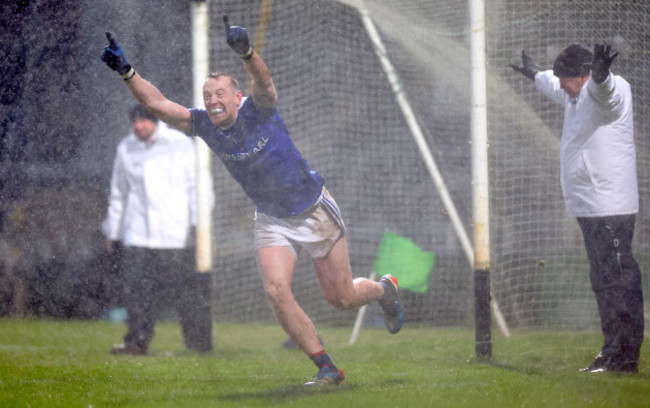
[
  {"x": 129, "y": 348},
  {"x": 631, "y": 368},
  {"x": 604, "y": 364},
  {"x": 391, "y": 305},
  {"x": 599, "y": 362},
  {"x": 326, "y": 376}
]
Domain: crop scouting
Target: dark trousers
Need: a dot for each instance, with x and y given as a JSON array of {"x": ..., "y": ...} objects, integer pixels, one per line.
[
  {"x": 157, "y": 279},
  {"x": 616, "y": 282}
]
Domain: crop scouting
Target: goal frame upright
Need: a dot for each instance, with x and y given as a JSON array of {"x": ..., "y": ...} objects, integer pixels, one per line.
[{"x": 480, "y": 181}]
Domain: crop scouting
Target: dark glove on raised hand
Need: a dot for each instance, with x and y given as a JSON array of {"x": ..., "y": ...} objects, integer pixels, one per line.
[
  {"x": 114, "y": 57},
  {"x": 601, "y": 62},
  {"x": 237, "y": 39},
  {"x": 529, "y": 68}
]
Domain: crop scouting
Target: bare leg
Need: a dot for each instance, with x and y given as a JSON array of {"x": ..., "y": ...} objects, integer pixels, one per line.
[
  {"x": 335, "y": 277},
  {"x": 276, "y": 266}
]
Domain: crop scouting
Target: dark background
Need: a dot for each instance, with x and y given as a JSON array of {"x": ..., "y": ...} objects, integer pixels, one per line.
[{"x": 62, "y": 114}]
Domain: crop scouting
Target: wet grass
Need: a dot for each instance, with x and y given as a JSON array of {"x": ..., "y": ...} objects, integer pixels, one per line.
[{"x": 45, "y": 363}]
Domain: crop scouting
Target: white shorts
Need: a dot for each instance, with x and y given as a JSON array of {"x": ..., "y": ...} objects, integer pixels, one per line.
[{"x": 316, "y": 229}]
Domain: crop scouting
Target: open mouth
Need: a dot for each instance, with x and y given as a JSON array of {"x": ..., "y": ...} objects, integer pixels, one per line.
[{"x": 216, "y": 111}]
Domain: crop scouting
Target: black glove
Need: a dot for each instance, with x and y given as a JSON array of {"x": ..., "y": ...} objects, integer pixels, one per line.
[
  {"x": 601, "y": 62},
  {"x": 529, "y": 68},
  {"x": 237, "y": 38},
  {"x": 115, "y": 59}
]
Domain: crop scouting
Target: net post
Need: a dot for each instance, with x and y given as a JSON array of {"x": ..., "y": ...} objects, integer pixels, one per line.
[
  {"x": 204, "y": 197},
  {"x": 480, "y": 181},
  {"x": 483, "y": 326},
  {"x": 200, "y": 64}
]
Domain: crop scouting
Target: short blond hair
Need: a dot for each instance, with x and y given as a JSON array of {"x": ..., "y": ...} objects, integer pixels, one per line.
[{"x": 223, "y": 74}]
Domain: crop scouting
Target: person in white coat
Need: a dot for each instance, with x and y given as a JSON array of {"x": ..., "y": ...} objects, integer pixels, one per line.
[
  {"x": 599, "y": 185},
  {"x": 152, "y": 214}
]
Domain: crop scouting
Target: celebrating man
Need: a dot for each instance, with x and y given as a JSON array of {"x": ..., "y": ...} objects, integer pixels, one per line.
[
  {"x": 599, "y": 183},
  {"x": 294, "y": 210}
]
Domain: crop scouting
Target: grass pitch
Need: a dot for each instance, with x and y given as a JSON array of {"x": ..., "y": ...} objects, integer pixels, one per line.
[{"x": 45, "y": 363}]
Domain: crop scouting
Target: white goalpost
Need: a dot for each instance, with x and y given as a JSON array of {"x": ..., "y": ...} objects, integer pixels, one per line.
[
  {"x": 201, "y": 70},
  {"x": 477, "y": 256},
  {"x": 480, "y": 186},
  {"x": 393, "y": 104}
]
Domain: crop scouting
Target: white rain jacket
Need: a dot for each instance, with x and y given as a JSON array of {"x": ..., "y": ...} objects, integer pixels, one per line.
[
  {"x": 597, "y": 154},
  {"x": 152, "y": 201}
]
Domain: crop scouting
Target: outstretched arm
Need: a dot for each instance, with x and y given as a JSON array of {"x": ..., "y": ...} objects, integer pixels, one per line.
[
  {"x": 528, "y": 69},
  {"x": 146, "y": 93},
  {"x": 151, "y": 98},
  {"x": 262, "y": 88}
]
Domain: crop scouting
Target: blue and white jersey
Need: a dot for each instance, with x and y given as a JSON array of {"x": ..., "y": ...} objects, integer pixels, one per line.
[{"x": 259, "y": 153}]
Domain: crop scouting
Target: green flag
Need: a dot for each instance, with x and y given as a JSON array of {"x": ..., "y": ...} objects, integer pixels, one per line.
[{"x": 403, "y": 259}]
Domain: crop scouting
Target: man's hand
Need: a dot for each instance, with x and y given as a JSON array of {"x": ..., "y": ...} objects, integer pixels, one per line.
[
  {"x": 114, "y": 57},
  {"x": 601, "y": 62},
  {"x": 529, "y": 68},
  {"x": 237, "y": 39}
]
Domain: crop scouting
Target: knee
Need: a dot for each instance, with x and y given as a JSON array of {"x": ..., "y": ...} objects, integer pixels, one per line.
[{"x": 276, "y": 292}]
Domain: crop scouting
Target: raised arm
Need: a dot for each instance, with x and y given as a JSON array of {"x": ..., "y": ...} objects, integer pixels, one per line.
[
  {"x": 529, "y": 68},
  {"x": 601, "y": 62},
  {"x": 262, "y": 88},
  {"x": 146, "y": 93},
  {"x": 604, "y": 88}
]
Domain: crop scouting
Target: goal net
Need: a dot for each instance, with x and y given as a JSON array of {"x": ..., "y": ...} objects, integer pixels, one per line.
[{"x": 343, "y": 116}]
